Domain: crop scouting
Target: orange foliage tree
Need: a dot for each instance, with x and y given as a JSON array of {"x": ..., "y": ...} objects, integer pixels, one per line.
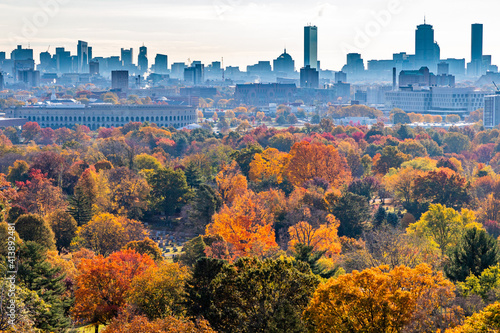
[
  {"x": 322, "y": 238},
  {"x": 102, "y": 284},
  {"x": 231, "y": 182},
  {"x": 246, "y": 225},
  {"x": 308, "y": 161}
]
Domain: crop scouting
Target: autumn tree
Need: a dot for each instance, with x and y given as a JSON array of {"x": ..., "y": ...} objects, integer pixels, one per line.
[
  {"x": 30, "y": 131},
  {"x": 444, "y": 226},
  {"x": 145, "y": 246},
  {"x": 379, "y": 300},
  {"x": 159, "y": 291},
  {"x": 18, "y": 172},
  {"x": 390, "y": 157},
  {"x": 102, "y": 285},
  {"x": 231, "y": 183},
  {"x": 308, "y": 161},
  {"x": 269, "y": 165},
  {"x": 140, "y": 324},
  {"x": 246, "y": 225},
  {"x": 488, "y": 320},
  {"x": 324, "y": 238},
  {"x": 107, "y": 233}
]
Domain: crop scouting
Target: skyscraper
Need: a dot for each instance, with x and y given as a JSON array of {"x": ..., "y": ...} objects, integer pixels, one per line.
[
  {"x": 82, "y": 56},
  {"x": 142, "y": 59},
  {"x": 475, "y": 67},
  {"x": 427, "y": 51},
  {"x": 311, "y": 46},
  {"x": 119, "y": 80},
  {"x": 161, "y": 64},
  {"x": 284, "y": 64},
  {"x": 126, "y": 56}
]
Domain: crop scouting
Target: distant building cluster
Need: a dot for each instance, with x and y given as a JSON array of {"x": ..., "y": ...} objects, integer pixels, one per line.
[{"x": 421, "y": 82}]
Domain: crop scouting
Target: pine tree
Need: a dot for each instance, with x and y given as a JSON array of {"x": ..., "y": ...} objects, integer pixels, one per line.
[
  {"x": 475, "y": 252},
  {"x": 306, "y": 254},
  {"x": 80, "y": 208},
  {"x": 37, "y": 274}
]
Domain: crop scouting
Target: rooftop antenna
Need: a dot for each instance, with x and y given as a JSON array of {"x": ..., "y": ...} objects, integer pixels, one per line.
[{"x": 424, "y": 20}]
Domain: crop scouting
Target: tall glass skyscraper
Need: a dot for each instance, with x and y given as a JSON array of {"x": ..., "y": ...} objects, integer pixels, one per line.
[
  {"x": 311, "y": 46},
  {"x": 83, "y": 56},
  {"x": 427, "y": 52},
  {"x": 476, "y": 63}
]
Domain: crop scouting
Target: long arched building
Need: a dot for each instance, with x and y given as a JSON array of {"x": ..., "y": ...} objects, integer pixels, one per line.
[{"x": 67, "y": 113}]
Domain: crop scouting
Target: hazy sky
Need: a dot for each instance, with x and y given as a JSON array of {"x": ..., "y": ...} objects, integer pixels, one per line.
[{"x": 244, "y": 32}]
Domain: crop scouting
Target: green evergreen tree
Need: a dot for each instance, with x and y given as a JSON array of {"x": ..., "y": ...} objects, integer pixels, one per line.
[
  {"x": 80, "y": 208},
  {"x": 307, "y": 255},
  {"x": 37, "y": 274},
  {"x": 475, "y": 252}
]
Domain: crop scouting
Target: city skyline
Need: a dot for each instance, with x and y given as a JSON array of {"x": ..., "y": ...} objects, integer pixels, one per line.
[{"x": 219, "y": 20}]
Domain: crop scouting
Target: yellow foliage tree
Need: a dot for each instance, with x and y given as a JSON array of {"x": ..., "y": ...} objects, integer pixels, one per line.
[
  {"x": 379, "y": 300},
  {"x": 270, "y": 164}
]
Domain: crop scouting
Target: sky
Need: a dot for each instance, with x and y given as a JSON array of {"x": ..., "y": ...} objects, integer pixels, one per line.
[{"x": 242, "y": 32}]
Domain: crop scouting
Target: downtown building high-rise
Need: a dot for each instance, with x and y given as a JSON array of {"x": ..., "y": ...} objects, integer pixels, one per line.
[
  {"x": 427, "y": 51},
  {"x": 475, "y": 67},
  {"x": 82, "y": 56},
  {"x": 311, "y": 46}
]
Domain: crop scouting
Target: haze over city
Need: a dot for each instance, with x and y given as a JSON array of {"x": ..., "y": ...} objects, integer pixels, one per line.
[{"x": 245, "y": 32}]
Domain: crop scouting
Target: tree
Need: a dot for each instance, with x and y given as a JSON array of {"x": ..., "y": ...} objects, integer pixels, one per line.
[
  {"x": 245, "y": 156},
  {"x": 401, "y": 183},
  {"x": 107, "y": 233},
  {"x": 487, "y": 320},
  {"x": 230, "y": 182},
  {"x": 18, "y": 172},
  {"x": 442, "y": 186},
  {"x": 30, "y": 131},
  {"x": 475, "y": 252},
  {"x": 307, "y": 255},
  {"x": 444, "y": 226},
  {"x": 80, "y": 208},
  {"x": 246, "y": 225},
  {"x": 322, "y": 239},
  {"x": 34, "y": 228},
  {"x": 452, "y": 118},
  {"x": 391, "y": 157},
  {"x": 37, "y": 274},
  {"x": 456, "y": 142},
  {"x": 269, "y": 164},
  {"x": 351, "y": 210},
  {"x": 146, "y": 162},
  {"x": 102, "y": 285},
  {"x": 379, "y": 300},
  {"x": 257, "y": 296},
  {"x": 145, "y": 246},
  {"x": 308, "y": 161},
  {"x": 159, "y": 291},
  {"x": 64, "y": 227},
  {"x": 169, "y": 190},
  {"x": 206, "y": 203}
]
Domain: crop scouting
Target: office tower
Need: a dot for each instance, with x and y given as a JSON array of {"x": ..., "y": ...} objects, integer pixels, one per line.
[
  {"x": 311, "y": 46},
  {"x": 355, "y": 66},
  {"x": 475, "y": 67},
  {"x": 2, "y": 56},
  {"x": 90, "y": 57},
  {"x": 443, "y": 68},
  {"x": 1, "y": 81},
  {"x": 194, "y": 74},
  {"x": 82, "y": 56},
  {"x": 119, "y": 80},
  {"x": 284, "y": 64},
  {"x": 427, "y": 51},
  {"x": 177, "y": 71},
  {"x": 340, "y": 77},
  {"x": 161, "y": 64},
  {"x": 21, "y": 54},
  {"x": 309, "y": 77},
  {"x": 45, "y": 59},
  {"x": 491, "y": 114},
  {"x": 126, "y": 56},
  {"x": 63, "y": 60},
  {"x": 94, "y": 67},
  {"x": 142, "y": 59}
]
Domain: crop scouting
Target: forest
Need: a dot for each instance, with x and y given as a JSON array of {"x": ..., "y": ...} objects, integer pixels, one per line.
[{"x": 319, "y": 228}]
